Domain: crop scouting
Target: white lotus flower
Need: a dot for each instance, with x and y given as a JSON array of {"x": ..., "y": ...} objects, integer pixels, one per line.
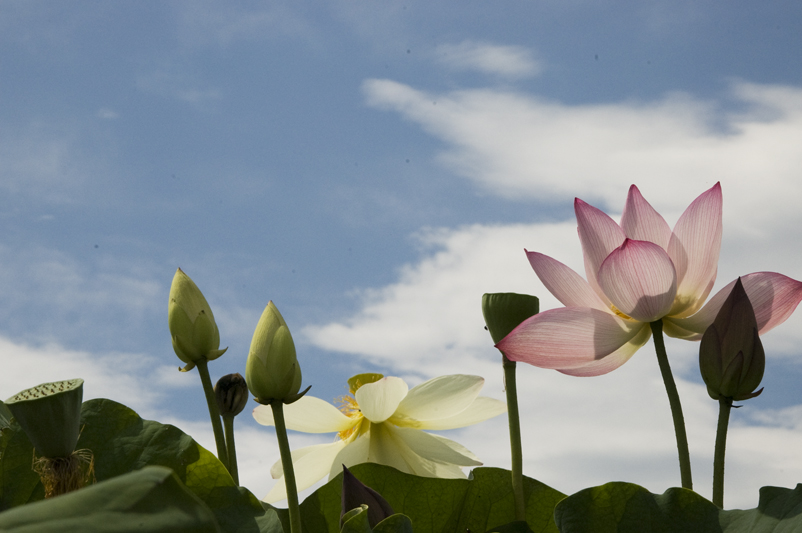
[{"x": 381, "y": 422}]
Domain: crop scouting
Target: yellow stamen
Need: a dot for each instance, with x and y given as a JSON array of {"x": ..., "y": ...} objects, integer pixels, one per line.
[{"x": 350, "y": 408}]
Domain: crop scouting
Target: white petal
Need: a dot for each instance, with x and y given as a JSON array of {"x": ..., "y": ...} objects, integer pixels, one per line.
[
  {"x": 437, "y": 449},
  {"x": 310, "y": 465},
  {"x": 308, "y": 415},
  {"x": 379, "y": 400},
  {"x": 388, "y": 447},
  {"x": 353, "y": 454},
  {"x": 441, "y": 397},
  {"x": 481, "y": 409}
]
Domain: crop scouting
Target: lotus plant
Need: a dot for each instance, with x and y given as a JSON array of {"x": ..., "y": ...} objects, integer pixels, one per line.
[
  {"x": 380, "y": 421},
  {"x": 643, "y": 278}
]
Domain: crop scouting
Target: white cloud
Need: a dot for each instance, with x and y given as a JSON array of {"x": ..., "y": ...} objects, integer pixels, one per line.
[
  {"x": 504, "y": 60},
  {"x": 125, "y": 377},
  {"x": 520, "y": 146}
]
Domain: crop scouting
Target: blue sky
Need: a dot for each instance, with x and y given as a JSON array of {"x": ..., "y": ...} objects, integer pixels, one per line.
[{"x": 373, "y": 169}]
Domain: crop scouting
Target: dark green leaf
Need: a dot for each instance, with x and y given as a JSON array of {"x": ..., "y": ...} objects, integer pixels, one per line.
[
  {"x": 779, "y": 510},
  {"x": 148, "y": 501},
  {"x": 625, "y": 507},
  {"x": 121, "y": 442},
  {"x": 438, "y": 505},
  {"x": 397, "y": 523}
]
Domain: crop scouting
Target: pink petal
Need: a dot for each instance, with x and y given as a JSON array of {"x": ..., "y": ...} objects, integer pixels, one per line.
[
  {"x": 694, "y": 249},
  {"x": 615, "y": 359},
  {"x": 639, "y": 279},
  {"x": 642, "y": 223},
  {"x": 599, "y": 235},
  {"x": 565, "y": 284},
  {"x": 568, "y": 337},
  {"x": 773, "y": 296}
]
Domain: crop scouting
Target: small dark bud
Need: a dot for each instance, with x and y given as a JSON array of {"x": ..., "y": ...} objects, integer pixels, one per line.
[
  {"x": 355, "y": 494},
  {"x": 231, "y": 393},
  {"x": 731, "y": 356}
]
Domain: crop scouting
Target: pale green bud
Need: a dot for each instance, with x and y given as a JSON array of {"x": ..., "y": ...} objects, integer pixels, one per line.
[
  {"x": 191, "y": 322},
  {"x": 272, "y": 371}
]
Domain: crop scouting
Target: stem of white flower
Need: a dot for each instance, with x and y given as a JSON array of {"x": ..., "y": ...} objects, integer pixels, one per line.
[
  {"x": 286, "y": 463},
  {"x": 516, "y": 450},
  {"x": 214, "y": 413},
  {"x": 676, "y": 406},
  {"x": 724, "y": 407}
]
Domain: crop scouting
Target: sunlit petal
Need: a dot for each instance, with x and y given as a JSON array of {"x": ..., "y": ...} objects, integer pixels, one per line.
[
  {"x": 379, "y": 400},
  {"x": 441, "y": 397},
  {"x": 568, "y": 337},
  {"x": 615, "y": 359},
  {"x": 565, "y": 284},
  {"x": 353, "y": 454},
  {"x": 481, "y": 409},
  {"x": 599, "y": 235},
  {"x": 387, "y": 447},
  {"x": 694, "y": 249},
  {"x": 642, "y": 223},
  {"x": 310, "y": 465},
  {"x": 309, "y": 414},
  {"x": 639, "y": 279},
  {"x": 433, "y": 448},
  {"x": 773, "y": 296}
]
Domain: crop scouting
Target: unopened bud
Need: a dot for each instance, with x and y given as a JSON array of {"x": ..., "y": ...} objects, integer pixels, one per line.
[
  {"x": 731, "y": 356},
  {"x": 231, "y": 393},
  {"x": 355, "y": 494},
  {"x": 272, "y": 371},
  {"x": 192, "y": 326}
]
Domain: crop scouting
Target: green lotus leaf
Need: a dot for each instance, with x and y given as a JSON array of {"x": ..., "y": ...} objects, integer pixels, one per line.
[
  {"x": 479, "y": 504},
  {"x": 133, "y": 502}
]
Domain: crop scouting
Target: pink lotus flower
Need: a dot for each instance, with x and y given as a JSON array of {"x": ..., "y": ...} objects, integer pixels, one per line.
[{"x": 638, "y": 272}]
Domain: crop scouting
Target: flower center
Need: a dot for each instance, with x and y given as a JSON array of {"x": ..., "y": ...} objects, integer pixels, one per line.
[
  {"x": 619, "y": 313},
  {"x": 350, "y": 408}
]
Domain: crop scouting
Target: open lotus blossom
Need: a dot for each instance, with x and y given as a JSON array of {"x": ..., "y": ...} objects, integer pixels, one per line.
[
  {"x": 638, "y": 272},
  {"x": 381, "y": 422}
]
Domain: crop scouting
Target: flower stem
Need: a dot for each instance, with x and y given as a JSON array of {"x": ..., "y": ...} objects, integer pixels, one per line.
[
  {"x": 516, "y": 449},
  {"x": 676, "y": 406},
  {"x": 228, "y": 426},
  {"x": 214, "y": 413},
  {"x": 724, "y": 407},
  {"x": 286, "y": 463}
]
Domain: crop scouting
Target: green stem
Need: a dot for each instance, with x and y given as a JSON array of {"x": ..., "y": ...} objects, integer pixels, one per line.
[
  {"x": 286, "y": 464},
  {"x": 228, "y": 425},
  {"x": 214, "y": 413},
  {"x": 676, "y": 406},
  {"x": 724, "y": 407},
  {"x": 516, "y": 449}
]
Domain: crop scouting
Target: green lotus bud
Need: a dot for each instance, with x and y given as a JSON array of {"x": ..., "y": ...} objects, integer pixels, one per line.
[
  {"x": 504, "y": 311},
  {"x": 731, "y": 356},
  {"x": 272, "y": 371},
  {"x": 50, "y": 414},
  {"x": 192, "y": 326},
  {"x": 231, "y": 393}
]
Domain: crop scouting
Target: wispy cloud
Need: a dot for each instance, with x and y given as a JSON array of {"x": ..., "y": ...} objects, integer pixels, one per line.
[
  {"x": 502, "y": 60},
  {"x": 519, "y": 146}
]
